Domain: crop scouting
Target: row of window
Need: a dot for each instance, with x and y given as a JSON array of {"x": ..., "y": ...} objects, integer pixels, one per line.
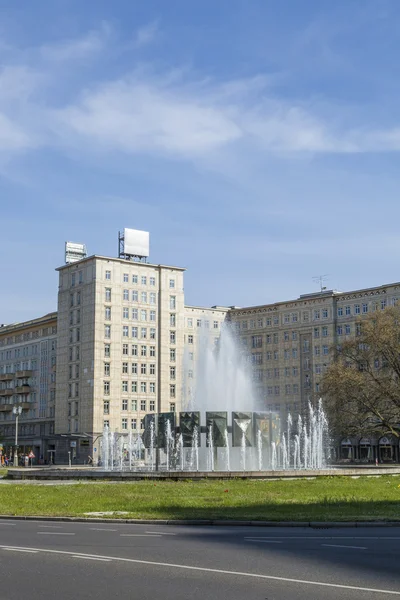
[
  {"x": 134, "y": 422},
  {"x": 135, "y": 279},
  {"x": 145, "y": 298},
  {"x": 134, "y": 331},
  {"x": 144, "y": 388},
  {"x": 275, "y": 390},
  {"x": 201, "y": 322},
  {"x": 134, "y": 405},
  {"x": 134, "y": 315}
]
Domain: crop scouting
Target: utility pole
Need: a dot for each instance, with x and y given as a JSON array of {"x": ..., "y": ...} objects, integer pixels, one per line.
[{"x": 17, "y": 410}]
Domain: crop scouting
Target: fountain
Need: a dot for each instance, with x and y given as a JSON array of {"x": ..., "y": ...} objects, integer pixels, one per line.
[{"x": 222, "y": 426}]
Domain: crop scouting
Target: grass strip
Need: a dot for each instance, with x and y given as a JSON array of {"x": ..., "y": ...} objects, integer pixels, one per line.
[{"x": 321, "y": 499}]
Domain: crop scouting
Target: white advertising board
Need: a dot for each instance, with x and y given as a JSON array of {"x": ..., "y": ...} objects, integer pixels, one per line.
[
  {"x": 74, "y": 252},
  {"x": 136, "y": 243}
]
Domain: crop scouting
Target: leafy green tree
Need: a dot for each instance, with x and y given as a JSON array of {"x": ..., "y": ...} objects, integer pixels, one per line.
[{"x": 362, "y": 385}]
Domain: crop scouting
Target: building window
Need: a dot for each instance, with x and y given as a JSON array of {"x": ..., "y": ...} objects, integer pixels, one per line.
[
  {"x": 152, "y": 333},
  {"x": 107, "y": 350},
  {"x": 106, "y": 369},
  {"x": 316, "y": 315},
  {"x": 125, "y": 277},
  {"x": 190, "y": 339},
  {"x": 316, "y": 332},
  {"x": 172, "y": 302},
  {"x": 144, "y": 280},
  {"x": 172, "y": 373},
  {"x": 143, "y": 351},
  {"x": 294, "y": 352},
  {"x": 172, "y": 320},
  {"x": 134, "y": 296},
  {"x": 124, "y": 404},
  {"x": 144, "y": 297},
  {"x": 107, "y": 331},
  {"x": 108, "y": 294},
  {"x": 143, "y": 405},
  {"x": 106, "y": 407},
  {"x": 317, "y": 350},
  {"x": 383, "y": 304},
  {"x": 143, "y": 387},
  {"x": 106, "y": 388},
  {"x": 134, "y": 331},
  {"x": 125, "y": 349},
  {"x": 339, "y": 330},
  {"x": 325, "y": 350},
  {"x": 134, "y": 350},
  {"x": 152, "y": 281},
  {"x": 124, "y": 423},
  {"x": 125, "y": 368},
  {"x": 143, "y": 315},
  {"x": 325, "y": 313},
  {"x": 340, "y": 311},
  {"x": 107, "y": 313},
  {"x": 190, "y": 322},
  {"x": 134, "y": 278},
  {"x": 172, "y": 337},
  {"x": 125, "y": 313},
  {"x": 125, "y": 331},
  {"x": 73, "y": 277},
  {"x": 124, "y": 386},
  {"x": 347, "y": 329},
  {"x": 357, "y": 309},
  {"x": 143, "y": 333},
  {"x": 134, "y": 424},
  {"x": 125, "y": 295},
  {"x": 172, "y": 354},
  {"x": 348, "y": 310},
  {"x": 172, "y": 391},
  {"x": 365, "y": 308},
  {"x": 134, "y": 391},
  {"x": 134, "y": 369},
  {"x": 172, "y": 407},
  {"x": 143, "y": 369},
  {"x": 256, "y": 341},
  {"x": 324, "y": 332},
  {"x": 108, "y": 275},
  {"x": 152, "y": 369},
  {"x": 152, "y": 351}
]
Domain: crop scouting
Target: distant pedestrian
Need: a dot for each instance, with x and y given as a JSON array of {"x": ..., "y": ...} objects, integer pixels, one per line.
[{"x": 376, "y": 462}]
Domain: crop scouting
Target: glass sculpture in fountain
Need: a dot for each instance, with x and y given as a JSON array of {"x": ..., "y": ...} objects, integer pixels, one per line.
[{"x": 223, "y": 426}]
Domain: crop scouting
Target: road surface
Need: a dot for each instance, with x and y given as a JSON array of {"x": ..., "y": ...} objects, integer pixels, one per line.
[{"x": 64, "y": 560}]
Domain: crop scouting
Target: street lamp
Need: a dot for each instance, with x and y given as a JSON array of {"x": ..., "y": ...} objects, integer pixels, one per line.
[{"x": 17, "y": 410}]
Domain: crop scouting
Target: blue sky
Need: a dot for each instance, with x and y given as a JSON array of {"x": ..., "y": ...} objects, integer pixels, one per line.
[{"x": 258, "y": 141}]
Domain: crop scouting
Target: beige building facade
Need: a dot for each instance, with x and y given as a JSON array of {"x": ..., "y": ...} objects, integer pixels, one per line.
[
  {"x": 28, "y": 380},
  {"x": 290, "y": 342}
]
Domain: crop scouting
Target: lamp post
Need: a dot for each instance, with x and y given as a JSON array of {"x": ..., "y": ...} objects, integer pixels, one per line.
[{"x": 17, "y": 410}]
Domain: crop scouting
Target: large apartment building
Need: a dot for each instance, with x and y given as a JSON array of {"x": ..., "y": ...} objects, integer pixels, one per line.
[
  {"x": 122, "y": 329},
  {"x": 28, "y": 380},
  {"x": 290, "y": 342}
]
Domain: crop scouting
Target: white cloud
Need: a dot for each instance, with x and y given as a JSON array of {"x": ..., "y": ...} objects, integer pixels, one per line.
[
  {"x": 13, "y": 137},
  {"x": 82, "y": 47},
  {"x": 146, "y": 34},
  {"x": 134, "y": 116}
]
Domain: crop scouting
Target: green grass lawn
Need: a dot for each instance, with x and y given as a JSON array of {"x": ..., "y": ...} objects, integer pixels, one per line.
[{"x": 327, "y": 498}]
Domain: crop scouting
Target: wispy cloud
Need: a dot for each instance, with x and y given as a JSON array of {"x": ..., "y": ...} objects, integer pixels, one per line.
[
  {"x": 78, "y": 48},
  {"x": 146, "y": 34}
]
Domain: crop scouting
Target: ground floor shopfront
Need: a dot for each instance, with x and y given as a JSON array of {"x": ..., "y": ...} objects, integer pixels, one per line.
[
  {"x": 42, "y": 450},
  {"x": 385, "y": 449}
]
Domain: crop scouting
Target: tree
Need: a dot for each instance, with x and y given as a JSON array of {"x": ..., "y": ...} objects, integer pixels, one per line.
[{"x": 361, "y": 387}]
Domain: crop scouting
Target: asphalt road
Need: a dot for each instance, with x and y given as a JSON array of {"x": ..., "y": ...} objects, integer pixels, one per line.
[{"x": 40, "y": 560}]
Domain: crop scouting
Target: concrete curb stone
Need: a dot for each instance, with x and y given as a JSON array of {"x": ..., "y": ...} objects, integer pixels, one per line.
[{"x": 207, "y": 522}]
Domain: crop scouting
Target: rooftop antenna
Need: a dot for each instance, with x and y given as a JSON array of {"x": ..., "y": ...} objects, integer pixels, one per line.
[{"x": 320, "y": 279}]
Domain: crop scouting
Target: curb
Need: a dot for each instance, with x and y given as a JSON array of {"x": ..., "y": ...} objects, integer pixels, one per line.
[{"x": 209, "y": 522}]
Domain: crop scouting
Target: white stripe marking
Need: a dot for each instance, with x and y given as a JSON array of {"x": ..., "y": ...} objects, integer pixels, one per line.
[
  {"x": 8, "y": 524},
  {"x": 100, "y": 529},
  {"x": 50, "y": 526},
  {"x": 263, "y": 541},
  {"x": 140, "y": 535},
  {"x": 218, "y": 571},
  {"x": 321, "y": 537},
  {"x": 21, "y": 550},
  {"x": 342, "y": 546},
  {"x": 53, "y": 533},
  {"x": 160, "y": 533},
  {"x": 92, "y": 558}
]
